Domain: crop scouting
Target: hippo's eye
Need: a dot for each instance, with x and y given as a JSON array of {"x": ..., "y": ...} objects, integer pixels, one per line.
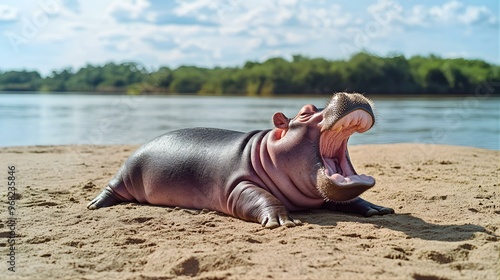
[
  {"x": 306, "y": 114},
  {"x": 307, "y": 111}
]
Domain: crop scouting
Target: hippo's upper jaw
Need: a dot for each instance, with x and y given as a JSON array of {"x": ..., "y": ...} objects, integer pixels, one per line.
[{"x": 344, "y": 115}]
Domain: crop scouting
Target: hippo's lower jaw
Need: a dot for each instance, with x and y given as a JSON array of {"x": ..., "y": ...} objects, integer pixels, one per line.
[{"x": 337, "y": 179}]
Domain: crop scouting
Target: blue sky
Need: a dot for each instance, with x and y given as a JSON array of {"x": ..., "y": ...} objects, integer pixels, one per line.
[{"x": 45, "y": 35}]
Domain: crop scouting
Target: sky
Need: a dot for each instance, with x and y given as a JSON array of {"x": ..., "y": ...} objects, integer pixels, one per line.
[{"x": 47, "y": 35}]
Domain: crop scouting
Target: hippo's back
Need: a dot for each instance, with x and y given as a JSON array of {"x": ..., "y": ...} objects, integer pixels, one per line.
[{"x": 184, "y": 163}]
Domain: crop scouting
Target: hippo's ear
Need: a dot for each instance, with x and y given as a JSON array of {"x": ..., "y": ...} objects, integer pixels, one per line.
[{"x": 280, "y": 121}]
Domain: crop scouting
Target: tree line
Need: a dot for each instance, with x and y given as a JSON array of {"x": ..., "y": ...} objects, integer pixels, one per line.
[{"x": 363, "y": 72}]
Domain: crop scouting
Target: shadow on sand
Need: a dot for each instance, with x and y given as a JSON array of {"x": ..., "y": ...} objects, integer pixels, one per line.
[{"x": 410, "y": 225}]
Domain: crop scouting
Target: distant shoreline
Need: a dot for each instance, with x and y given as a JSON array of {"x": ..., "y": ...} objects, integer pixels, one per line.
[
  {"x": 70, "y": 147},
  {"x": 363, "y": 72},
  {"x": 290, "y": 95}
]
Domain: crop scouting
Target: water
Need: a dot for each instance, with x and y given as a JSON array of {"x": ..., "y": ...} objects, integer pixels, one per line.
[{"x": 44, "y": 119}]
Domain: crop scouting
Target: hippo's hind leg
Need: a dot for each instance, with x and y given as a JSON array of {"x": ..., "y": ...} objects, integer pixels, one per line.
[
  {"x": 108, "y": 197},
  {"x": 358, "y": 206},
  {"x": 114, "y": 193},
  {"x": 252, "y": 203}
]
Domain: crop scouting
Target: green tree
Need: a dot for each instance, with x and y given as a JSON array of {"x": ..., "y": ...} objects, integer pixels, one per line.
[
  {"x": 85, "y": 79},
  {"x": 57, "y": 80},
  {"x": 187, "y": 80},
  {"x": 363, "y": 72},
  {"x": 20, "y": 80}
]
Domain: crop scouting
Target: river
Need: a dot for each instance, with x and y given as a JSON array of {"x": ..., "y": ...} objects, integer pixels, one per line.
[{"x": 50, "y": 119}]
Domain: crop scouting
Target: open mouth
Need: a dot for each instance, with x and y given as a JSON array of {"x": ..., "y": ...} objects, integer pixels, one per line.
[{"x": 336, "y": 161}]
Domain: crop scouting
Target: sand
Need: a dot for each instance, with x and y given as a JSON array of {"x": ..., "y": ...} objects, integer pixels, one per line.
[{"x": 447, "y": 224}]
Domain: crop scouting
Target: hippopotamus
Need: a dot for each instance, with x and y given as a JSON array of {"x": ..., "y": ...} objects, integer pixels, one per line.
[{"x": 261, "y": 176}]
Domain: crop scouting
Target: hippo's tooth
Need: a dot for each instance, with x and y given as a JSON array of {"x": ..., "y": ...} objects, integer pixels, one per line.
[
  {"x": 339, "y": 179},
  {"x": 338, "y": 129},
  {"x": 330, "y": 165},
  {"x": 330, "y": 169}
]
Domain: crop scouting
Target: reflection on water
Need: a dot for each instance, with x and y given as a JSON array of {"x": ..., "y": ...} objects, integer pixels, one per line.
[{"x": 41, "y": 119}]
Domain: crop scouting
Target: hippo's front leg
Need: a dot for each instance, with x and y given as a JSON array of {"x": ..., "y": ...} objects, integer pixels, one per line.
[
  {"x": 358, "y": 206},
  {"x": 252, "y": 203}
]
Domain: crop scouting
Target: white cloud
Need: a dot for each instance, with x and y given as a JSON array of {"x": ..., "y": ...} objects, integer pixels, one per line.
[
  {"x": 384, "y": 21},
  {"x": 446, "y": 12},
  {"x": 294, "y": 37},
  {"x": 130, "y": 9},
  {"x": 222, "y": 32},
  {"x": 417, "y": 17},
  {"x": 450, "y": 13},
  {"x": 72, "y": 5},
  {"x": 324, "y": 19},
  {"x": 288, "y": 2},
  {"x": 477, "y": 14},
  {"x": 8, "y": 13},
  {"x": 385, "y": 9},
  {"x": 251, "y": 44},
  {"x": 189, "y": 7}
]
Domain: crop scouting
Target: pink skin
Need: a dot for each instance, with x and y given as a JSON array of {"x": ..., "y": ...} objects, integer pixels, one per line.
[
  {"x": 287, "y": 182},
  {"x": 275, "y": 161}
]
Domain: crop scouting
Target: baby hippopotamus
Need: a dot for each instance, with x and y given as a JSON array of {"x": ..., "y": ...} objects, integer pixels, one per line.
[{"x": 259, "y": 176}]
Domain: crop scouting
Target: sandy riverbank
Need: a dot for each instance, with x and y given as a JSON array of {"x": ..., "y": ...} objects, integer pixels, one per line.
[{"x": 447, "y": 224}]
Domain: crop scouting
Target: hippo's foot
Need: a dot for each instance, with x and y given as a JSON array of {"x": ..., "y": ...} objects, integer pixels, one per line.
[
  {"x": 358, "y": 206},
  {"x": 252, "y": 203},
  {"x": 106, "y": 198},
  {"x": 277, "y": 216}
]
